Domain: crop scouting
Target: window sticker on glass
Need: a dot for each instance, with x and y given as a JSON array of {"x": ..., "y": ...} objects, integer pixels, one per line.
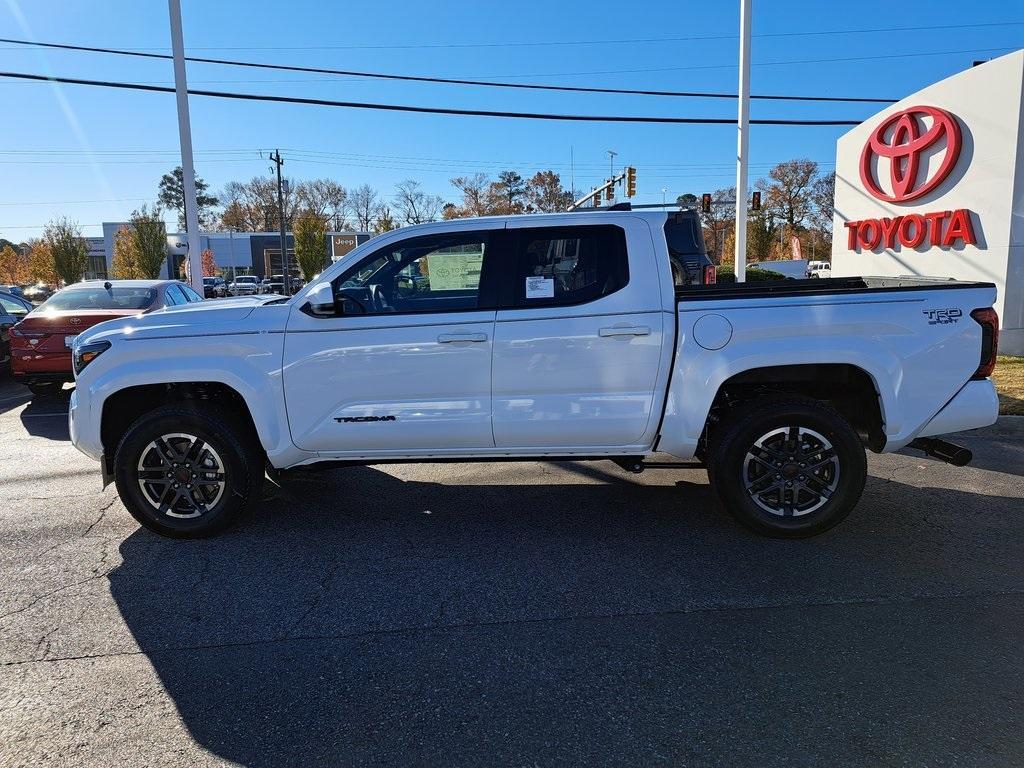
[
  {"x": 540, "y": 288},
  {"x": 454, "y": 271}
]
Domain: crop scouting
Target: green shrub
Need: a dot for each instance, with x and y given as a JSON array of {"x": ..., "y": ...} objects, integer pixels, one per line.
[{"x": 727, "y": 274}]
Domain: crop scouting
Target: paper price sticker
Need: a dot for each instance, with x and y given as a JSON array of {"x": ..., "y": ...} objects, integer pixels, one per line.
[{"x": 540, "y": 288}]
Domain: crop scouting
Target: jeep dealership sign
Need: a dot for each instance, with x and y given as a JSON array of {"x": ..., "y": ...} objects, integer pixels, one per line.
[{"x": 934, "y": 186}]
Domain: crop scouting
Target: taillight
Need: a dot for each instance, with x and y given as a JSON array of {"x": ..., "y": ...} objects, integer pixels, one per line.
[
  {"x": 989, "y": 322},
  {"x": 710, "y": 274}
]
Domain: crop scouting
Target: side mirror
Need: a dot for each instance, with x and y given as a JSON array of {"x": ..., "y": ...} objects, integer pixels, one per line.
[{"x": 321, "y": 303}]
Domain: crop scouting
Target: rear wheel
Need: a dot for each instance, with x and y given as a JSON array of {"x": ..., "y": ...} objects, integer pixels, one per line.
[
  {"x": 788, "y": 466},
  {"x": 187, "y": 472}
]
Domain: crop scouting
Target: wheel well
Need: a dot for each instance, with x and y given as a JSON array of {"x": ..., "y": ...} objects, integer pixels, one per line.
[
  {"x": 121, "y": 409},
  {"x": 847, "y": 388}
]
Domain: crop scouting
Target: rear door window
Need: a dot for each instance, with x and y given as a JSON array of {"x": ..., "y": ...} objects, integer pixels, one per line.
[{"x": 561, "y": 266}]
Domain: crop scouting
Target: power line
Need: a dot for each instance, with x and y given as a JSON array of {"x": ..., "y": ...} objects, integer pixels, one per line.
[
  {"x": 424, "y": 110},
  {"x": 441, "y": 80},
  {"x": 618, "y": 41}
]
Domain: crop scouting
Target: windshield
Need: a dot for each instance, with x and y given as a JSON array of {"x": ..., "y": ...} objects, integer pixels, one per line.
[
  {"x": 98, "y": 297},
  {"x": 246, "y": 279}
]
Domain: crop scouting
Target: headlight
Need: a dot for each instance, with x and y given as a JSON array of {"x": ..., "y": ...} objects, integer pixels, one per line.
[{"x": 86, "y": 353}]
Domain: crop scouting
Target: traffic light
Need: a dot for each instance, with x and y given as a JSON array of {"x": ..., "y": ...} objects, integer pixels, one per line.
[
  {"x": 705, "y": 203},
  {"x": 630, "y": 182},
  {"x": 609, "y": 192},
  {"x": 755, "y": 201}
]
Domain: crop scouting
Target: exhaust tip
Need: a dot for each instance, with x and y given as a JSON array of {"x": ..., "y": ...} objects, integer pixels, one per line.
[{"x": 944, "y": 450}]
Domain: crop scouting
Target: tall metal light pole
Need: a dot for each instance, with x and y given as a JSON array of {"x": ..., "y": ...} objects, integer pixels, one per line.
[
  {"x": 743, "y": 143},
  {"x": 195, "y": 258}
]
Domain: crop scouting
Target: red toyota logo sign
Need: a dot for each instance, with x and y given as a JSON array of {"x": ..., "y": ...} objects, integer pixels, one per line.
[{"x": 903, "y": 138}]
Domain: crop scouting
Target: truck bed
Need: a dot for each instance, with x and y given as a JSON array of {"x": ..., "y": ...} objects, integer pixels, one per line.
[{"x": 820, "y": 286}]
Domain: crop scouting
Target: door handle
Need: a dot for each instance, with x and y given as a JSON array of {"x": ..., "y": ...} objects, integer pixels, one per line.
[
  {"x": 632, "y": 330},
  {"x": 451, "y": 338}
]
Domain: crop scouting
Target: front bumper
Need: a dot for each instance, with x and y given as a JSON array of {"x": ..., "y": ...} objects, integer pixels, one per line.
[{"x": 80, "y": 429}]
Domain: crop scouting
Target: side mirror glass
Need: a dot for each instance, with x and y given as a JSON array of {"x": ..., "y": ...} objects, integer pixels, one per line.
[{"x": 321, "y": 302}]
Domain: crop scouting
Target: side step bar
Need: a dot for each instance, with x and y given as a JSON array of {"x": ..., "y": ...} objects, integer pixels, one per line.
[
  {"x": 945, "y": 451},
  {"x": 637, "y": 464}
]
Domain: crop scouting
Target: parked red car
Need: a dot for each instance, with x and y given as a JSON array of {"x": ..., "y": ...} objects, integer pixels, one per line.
[{"x": 41, "y": 343}]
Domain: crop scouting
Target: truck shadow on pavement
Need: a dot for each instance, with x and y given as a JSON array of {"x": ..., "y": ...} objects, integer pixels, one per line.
[
  {"x": 516, "y": 619},
  {"x": 48, "y": 417}
]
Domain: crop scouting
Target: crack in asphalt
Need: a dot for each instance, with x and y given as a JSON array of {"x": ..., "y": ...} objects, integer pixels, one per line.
[
  {"x": 102, "y": 513},
  {"x": 46, "y": 595},
  {"x": 851, "y": 602}
]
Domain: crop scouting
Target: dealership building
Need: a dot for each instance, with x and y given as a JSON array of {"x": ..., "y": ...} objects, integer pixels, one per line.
[
  {"x": 934, "y": 186},
  {"x": 243, "y": 253}
]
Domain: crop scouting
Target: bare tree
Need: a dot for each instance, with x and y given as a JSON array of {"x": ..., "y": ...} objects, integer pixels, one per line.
[
  {"x": 477, "y": 197},
  {"x": 324, "y": 198},
  {"x": 251, "y": 206},
  {"x": 414, "y": 205},
  {"x": 365, "y": 205}
]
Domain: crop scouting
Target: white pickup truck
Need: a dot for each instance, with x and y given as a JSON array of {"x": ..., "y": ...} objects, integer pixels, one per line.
[{"x": 577, "y": 336}]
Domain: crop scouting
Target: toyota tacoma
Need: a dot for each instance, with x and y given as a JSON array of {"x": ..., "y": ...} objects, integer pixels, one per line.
[{"x": 577, "y": 336}]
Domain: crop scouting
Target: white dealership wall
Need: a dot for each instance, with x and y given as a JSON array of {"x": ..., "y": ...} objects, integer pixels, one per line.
[{"x": 987, "y": 180}]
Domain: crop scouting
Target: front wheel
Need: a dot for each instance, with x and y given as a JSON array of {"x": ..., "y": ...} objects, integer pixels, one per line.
[
  {"x": 788, "y": 466},
  {"x": 187, "y": 472}
]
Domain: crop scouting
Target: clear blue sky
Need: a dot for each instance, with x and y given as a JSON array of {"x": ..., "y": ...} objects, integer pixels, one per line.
[{"x": 64, "y": 146}]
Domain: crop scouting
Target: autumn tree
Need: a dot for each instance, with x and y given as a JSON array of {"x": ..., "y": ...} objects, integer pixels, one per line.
[
  {"x": 477, "y": 197},
  {"x": 209, "y": 263},
  {"x": 68, "y": 248},
  {"x": 13, "y": 266},
  {"x": 718, "y": 224},
  {"x": 365, "y": 205},
  {"x": 125, "y": 262},
  {"x": 310, "y": 243},
  {"x": 41, "y": 267},
  {"x": 787, "y": 191},
  {"x": 762, "y": 236},
  {"x": 413, "y": 205},
  {"x": 150, "y": 235},
  {"x": 823, "y": 192},
  {"x": 171, "y": 194},
  {"x": 544, "y": 193},
  {"x": 251, "y": 206},
  {"x": 385, "y": 222}
]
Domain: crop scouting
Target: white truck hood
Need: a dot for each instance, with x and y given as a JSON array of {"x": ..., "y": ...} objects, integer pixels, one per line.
[{"x": 208, "y": 318}]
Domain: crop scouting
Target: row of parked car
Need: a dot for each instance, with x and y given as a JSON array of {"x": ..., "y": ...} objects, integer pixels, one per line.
[
  {"x": 35, "y": 340},
  {"x": 248, "y": 285}
]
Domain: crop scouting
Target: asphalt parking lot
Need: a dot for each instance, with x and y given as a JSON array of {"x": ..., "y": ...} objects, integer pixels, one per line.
[{"x": 510, "y": 614}]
